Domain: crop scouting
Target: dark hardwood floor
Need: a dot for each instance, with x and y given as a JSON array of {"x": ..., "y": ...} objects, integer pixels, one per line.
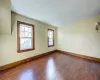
[{"x": 55, "y": 66}]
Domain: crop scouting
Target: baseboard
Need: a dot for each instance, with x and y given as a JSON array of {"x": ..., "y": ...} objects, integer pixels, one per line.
[
  {"x": 14, "y": 64},
  {"x": 81, "y": 56}
]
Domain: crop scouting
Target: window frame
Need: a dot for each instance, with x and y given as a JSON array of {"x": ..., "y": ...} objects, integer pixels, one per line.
[
  {"x": 53, "y": 39},
  {"x": 18, "y": 37}
]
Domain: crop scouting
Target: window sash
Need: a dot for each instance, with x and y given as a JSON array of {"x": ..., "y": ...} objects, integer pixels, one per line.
[{"x": 24, "y": 44}]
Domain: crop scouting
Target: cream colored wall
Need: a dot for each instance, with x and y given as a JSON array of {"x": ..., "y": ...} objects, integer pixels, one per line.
[
  {"x": 8, "y": 43},
  {"x": 80, "y": 37},
  {"x": 5, "y": 17}
]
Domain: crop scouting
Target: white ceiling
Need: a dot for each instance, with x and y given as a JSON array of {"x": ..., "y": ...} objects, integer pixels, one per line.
[{"x": 57, "y": 12}]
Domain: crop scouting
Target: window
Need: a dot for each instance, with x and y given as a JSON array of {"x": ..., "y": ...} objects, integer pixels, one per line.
[
  {"x": 50, "y": 37},
  {"x": 25, "y": 37}
]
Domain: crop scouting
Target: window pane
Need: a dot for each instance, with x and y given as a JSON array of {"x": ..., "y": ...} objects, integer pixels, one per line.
[
  {"x": 50, "y": 40},
  {"x": 50, "y": 32},
  {"x": 25, "y": 43},
  {"x": 26, "y": 34},
  {"x": 26, "y": 28},
  {"x": 30, "y": 35},
  {"x": 50, "y": 36},
  {"x": 22, "y": 27},
  {"x": 30, "y": 29},
  {"x": 22, "y": 34},
  {"x": 50, "y": 43}
]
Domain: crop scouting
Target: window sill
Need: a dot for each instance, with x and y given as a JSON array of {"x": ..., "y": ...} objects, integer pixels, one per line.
[
  {"x": 51, "y": 46},
  {"x": 20, "y": 51}
]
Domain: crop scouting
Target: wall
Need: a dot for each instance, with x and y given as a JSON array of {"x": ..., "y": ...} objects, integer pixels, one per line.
[
  {"x": 5, "y": 17},
  {"x": 8, "y": 43},
  {"x": 80, "y": 37}
]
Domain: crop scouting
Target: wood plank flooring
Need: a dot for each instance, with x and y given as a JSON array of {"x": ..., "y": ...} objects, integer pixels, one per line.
[{"x": 55, "y": 66}]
